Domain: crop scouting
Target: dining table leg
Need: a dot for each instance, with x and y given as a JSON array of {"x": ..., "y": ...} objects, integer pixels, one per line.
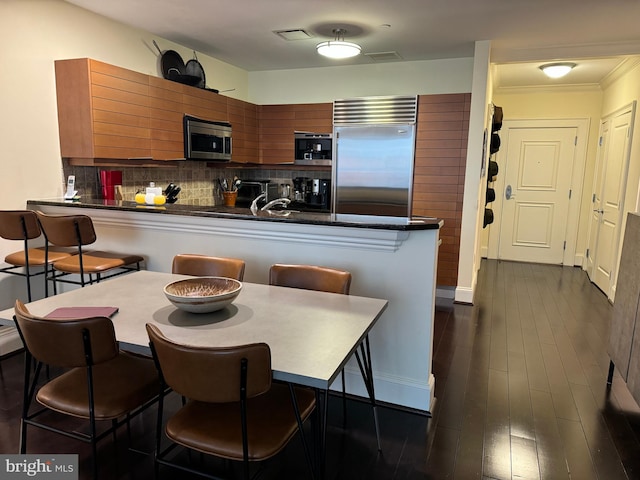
[
  {"x": 322, "y": 404},
  {"x": 364, "y": 363},
  {"x": 305, "y": 445}
]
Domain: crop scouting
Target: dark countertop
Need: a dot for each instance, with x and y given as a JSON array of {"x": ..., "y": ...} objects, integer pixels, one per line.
[{"x": 238, "y": 213}]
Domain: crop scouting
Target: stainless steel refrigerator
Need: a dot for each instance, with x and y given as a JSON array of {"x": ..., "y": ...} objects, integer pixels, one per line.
[{"x": 374, "y": 149}]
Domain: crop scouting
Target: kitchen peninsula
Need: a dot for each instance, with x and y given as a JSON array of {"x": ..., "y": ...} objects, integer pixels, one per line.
[{"x": 392, "y": 261}]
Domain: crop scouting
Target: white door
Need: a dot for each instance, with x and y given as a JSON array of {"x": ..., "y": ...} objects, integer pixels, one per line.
[
  {"x": 536, "y": 196},
  {"x": 608, "y": 200},
  {"x": 594, "y": 223}
]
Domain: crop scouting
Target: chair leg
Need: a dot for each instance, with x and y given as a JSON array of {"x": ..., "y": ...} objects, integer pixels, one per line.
[
  {"x": 28, "y": 273},
  {"x": 25, "y": 403}
]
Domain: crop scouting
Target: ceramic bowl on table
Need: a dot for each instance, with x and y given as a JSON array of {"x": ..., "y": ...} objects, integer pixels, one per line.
[{"x": 202, "y": 294}]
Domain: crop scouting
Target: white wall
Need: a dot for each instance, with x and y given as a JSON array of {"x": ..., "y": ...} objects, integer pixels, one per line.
[
  {"x": 472, "y": 207},
  {"x": 325, "y": 84},
  {"x": 619, "y": 92}
]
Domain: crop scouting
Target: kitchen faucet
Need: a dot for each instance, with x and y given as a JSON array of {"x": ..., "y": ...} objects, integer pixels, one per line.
[
  {"x": 278, "y": 201},
  {"x": 254, "y": 204}
]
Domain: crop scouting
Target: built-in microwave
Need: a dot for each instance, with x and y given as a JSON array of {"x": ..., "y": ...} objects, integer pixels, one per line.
[{"x": 206, "y": 140}]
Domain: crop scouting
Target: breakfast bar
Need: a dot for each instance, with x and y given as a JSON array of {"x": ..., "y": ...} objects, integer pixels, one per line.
[{"x": 394, "y": 261}]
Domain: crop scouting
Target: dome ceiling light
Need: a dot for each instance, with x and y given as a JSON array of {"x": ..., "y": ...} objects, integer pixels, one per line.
[
  {"x": 338, "y": 48},
  {"x": 557, "y": 70}
]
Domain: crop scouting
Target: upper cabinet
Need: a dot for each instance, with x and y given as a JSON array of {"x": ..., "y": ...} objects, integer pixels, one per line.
[
  {"x": 109, "y": 115},
  {"x": 103, "y": 111},
  {"x": 165, "y": 119},
  {"x": 279, "y": 122}
]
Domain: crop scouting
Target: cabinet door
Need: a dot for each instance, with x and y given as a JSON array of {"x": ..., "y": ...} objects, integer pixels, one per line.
[
  {"x": 243, "y": 119},
  {"x": 120, "y": 101},
  {"x": 103, "y": 111},
  {"x": 205, "y": 104},
  {"x": 75, "y": 117},
  {"x": 166, "y": 112},
  {"x": 279, "y": 122}
]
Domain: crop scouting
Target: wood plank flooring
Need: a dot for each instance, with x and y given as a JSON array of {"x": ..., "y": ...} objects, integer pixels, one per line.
[{"x": 520, "y": 386}]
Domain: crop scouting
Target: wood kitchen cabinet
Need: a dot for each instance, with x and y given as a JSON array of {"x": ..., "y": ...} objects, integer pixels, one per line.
[
  {"x": 165, "y": 119},
  {"x": 103, "y": 111},
  {"x": 279, "y": 122},
  {"x": 110, "y": 115},
  {"x": 243, "y": 117}
]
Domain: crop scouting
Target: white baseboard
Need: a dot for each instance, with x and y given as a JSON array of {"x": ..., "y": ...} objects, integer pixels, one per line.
[
  {"x": 9, "y": 340},
  {"x": 464, "y": 295},
  {"x": 392, "y": 390}
]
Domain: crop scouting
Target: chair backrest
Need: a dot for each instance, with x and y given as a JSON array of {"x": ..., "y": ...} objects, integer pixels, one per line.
[
  {"x": 19, "y": 225},
  {"x": 67, "y": 230},
  {"x": 310, "y": 277},
  {"x": 206, "y": 266},
  {"x": 210, "y": 374},
  {"x": 60, "y": 343}
]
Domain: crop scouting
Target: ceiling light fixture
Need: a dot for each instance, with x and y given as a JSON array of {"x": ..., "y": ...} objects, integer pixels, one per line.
[
  {"x": 557, "y": 70},
  {"x": 338, "y": 48}
]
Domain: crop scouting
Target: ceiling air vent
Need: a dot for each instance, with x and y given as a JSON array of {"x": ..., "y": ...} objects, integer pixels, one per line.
[
  {"x": 384, "y": 56},
  {"x": 293, "y": 34}
]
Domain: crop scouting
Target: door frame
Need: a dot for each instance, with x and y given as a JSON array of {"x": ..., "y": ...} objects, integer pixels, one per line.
[{"x": 577, "y": 177}]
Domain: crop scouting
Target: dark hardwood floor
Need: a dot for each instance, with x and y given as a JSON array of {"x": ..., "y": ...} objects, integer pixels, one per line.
[{"x": 520, "y": 386}]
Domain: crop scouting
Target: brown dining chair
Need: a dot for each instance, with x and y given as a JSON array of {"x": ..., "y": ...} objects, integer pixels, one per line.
[
  {"x": 206, "y": 266},
  {"x": 313, "y": 277},
  {"x": 77, "y": 231},
  {"x": 310, "y": 277},
  {"x": 23, "y": 225},
  {"x": 99, "y": 383},
  {"x": 234, "y": 411}
]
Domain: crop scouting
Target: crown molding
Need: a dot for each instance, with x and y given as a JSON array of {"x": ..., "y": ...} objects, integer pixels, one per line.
[
  {"x": 621, "y": 70},
  {"x": 577, "y": 88}
]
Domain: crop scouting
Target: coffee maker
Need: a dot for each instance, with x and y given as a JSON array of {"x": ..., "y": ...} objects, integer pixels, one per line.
[{"x": 312, "y": 193}]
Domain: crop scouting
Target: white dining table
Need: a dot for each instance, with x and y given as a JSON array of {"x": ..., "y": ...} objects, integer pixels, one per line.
[{"x": 311, "y": 334}]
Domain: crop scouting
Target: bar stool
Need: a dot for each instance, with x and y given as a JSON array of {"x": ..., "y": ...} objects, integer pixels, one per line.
[
  {"x": 206, "y": 266},
  {"x": 77, "y": 231},
  {"x": 23, "y": 225}
]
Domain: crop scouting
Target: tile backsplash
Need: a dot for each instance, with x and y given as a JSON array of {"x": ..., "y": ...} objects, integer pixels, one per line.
[{"x": 198, "y": 180}]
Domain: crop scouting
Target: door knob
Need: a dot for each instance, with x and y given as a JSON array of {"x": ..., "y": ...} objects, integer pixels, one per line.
[
  {"x": 507, "y": 193},
  {"x": 599, "y": 211}
]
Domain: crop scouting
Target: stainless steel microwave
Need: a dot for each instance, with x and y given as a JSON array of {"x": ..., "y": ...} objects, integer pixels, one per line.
[{"x": 206, "y": 140}]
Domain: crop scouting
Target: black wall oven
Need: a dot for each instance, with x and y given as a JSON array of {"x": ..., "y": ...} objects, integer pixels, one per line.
[
  {"x": 312, "y": 148},
  {"x": 206, "y": 140}
]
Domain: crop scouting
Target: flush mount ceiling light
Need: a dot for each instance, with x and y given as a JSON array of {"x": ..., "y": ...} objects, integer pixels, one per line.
[
  {"x": 338, "y": 48},
  {"x": 557, "y": 70}
]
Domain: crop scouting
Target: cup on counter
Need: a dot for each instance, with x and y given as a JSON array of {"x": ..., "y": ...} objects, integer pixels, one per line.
[{"x": 230, "y": 198}]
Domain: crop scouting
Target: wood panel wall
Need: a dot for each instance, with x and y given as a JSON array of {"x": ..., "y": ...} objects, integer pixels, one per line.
[{"x": 438, "y": 180}]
